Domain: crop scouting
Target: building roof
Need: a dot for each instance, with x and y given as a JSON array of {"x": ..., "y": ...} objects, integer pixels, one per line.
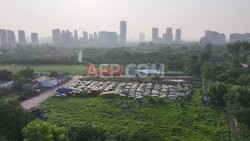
[{"x": 4, "y": 82}]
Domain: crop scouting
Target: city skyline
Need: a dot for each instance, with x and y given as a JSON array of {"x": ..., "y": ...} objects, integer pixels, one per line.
[{"x": 192, "y": 16}]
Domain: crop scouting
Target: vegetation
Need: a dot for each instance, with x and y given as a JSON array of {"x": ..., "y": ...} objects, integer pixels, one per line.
[
  {"x": 121, "y": 118},
  {"x": 73, "y": 69},
  {"x": 12, "y": 119},
  {"x": 41, "y": 131}
]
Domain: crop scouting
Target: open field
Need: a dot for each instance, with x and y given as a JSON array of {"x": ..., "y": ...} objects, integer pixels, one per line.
[
  {"x": 73, "y": 69},
  {"x": 188, "y": 120}
]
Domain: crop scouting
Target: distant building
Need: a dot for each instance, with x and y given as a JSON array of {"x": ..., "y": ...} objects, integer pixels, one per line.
[
  {"x": 61, "y": 78},
  {"x": 108, "y": 38},
  {"x": 213, "y": 37},
  {"x": 239, "y": 37},
  {"x": 155, "y": 35},
  {"x": 205, "y": 41},
  {"x": 49, "y": 83},
  {"x": 76, "y": 35},
  {"x": 169, "y": 36},
  {"x": 141, "y": 37},
  {"x": 95, "y": 36},
  {"x": 178, "y": 35},
  {"x": 3, "y": 37},
  {"x": 21, "y": 37},
  {"x": 32, "y": 86},
  {"x": 123, "y": 32},
  {"x": 85, "y": 36},
  {"x": 11, "y": 37},
  {"x": 34, "y": 39},
  {"x": 56, "y": 36}
]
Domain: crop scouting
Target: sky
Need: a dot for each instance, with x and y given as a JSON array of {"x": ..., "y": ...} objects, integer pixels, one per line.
[{"x": 192, "y": 16}]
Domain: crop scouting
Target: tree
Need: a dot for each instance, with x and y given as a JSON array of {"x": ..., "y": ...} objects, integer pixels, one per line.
[
  {"x": 12, "y": 119},
  {"x": 146, "y": 135},
  {"x": 28, "y": 73},
  {"x": 207, "y": 71},
  {"x": 87, "y": 133},
  {"x": 53, "y": 74},
  {"x": 5, "y": 75},
  {"x": 38, "y": 130},
  {"x": 244, "y": 80},
  {"x": 217, "y": 91},
  {"x": 238, "y": 52}
]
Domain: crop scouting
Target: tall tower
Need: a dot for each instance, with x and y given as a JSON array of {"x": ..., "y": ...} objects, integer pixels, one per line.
[
  {"x": 11, "y": 37},
  {"x": 169, "y": 35},
  {"x": 155, "y": 35},
  {"x": 178, "y": 35},
  {"x": 21, "y": 37},
  {"x": 76, "y": 35},
  {"x": 123, "y": 32},
  {"x": 56, "y": 35},
  {"x": 34, "y": 38},
  {"x": 3, "y": 37}
]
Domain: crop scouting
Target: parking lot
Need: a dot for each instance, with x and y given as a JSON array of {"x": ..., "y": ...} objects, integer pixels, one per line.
[{"x": 176, "y": 89}]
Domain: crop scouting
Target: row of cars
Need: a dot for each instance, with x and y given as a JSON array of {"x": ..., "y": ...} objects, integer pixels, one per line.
[
  {"x": 133, "y": 90},
  {"x": 94, "y": 87},
  {"x": 141, "y": 90}
]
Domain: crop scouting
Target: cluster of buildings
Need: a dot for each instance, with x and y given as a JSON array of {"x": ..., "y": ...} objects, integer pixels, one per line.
[
  {"x": 44, "y": 82},
  {"x": 65, "y": 37},
  {"x": 8, "y": 38},
  {"x": 216, "y": 38},
  {"x": 167, "y": 37}
]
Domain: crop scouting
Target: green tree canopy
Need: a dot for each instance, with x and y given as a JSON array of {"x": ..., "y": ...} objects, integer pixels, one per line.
[
  {"x": 38, "y": 130},
  {"x": 12, "y": 119},
  {"x": 5, "y": 75}
]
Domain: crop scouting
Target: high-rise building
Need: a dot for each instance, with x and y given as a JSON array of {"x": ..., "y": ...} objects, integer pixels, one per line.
[
  {"x": 76, "y": 35},
  {"x": 178, "y": 35},
  {"x": 155, "y": 35},
  {"x": 108, "y": 38},
  {"x": 95, "y": 36},
  {"x": 21, "y": 37},
  {"x": 237, "y": 37},
  {"x": 169, "y": 35},
  {"x": 141, "y": 37},
  {"x": 11, "y": 37},
  {"x": 213, "y": 37},
  {"x": 34, "y": 39},
  {"x": 123, "y": 32},
  {"x": 56, "y": 36},
  {"x": 3, "y": 37},
  {"x": 85, "y": 36}
]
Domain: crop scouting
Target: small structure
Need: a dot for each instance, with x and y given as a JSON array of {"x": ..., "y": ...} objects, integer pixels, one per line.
[
  {"x": 6, "y": 84},
  {"x": 49, "y": 83},
  {"x": 61, "y": 78},
  {"x": 32, "y": 86}
]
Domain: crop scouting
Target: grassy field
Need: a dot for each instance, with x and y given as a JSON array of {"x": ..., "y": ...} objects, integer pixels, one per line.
[
  {"x": 188, "y": 120},
  {"x": 73, "y": 69}
]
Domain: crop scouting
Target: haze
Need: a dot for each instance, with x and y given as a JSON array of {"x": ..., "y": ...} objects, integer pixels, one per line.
[{"x": 193, "y": 16}]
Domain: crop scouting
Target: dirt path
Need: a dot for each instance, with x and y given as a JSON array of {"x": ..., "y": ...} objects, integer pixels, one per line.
[{"x": 35, "y": 101}]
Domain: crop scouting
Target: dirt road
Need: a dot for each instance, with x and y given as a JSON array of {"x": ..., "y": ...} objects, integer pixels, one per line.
[{"x": 35, "y": 101}]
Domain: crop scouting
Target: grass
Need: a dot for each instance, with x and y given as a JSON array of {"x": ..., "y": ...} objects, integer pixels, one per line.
[
  {"x": 73, "y": 69},
  {"x": 188, "y": 120}
]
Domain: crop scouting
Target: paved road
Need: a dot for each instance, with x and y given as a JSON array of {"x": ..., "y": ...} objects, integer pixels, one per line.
[{"x": 35, "y": 101}]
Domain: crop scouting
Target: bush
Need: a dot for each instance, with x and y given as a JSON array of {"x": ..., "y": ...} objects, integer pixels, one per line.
[{"x": 87, "y": 133}]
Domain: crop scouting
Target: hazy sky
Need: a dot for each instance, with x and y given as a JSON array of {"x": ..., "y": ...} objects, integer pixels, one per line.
[{"x": 193, "y": 16}]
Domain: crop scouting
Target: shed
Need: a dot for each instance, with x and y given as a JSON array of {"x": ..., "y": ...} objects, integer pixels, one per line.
[{"x": 49, "y": 83}]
